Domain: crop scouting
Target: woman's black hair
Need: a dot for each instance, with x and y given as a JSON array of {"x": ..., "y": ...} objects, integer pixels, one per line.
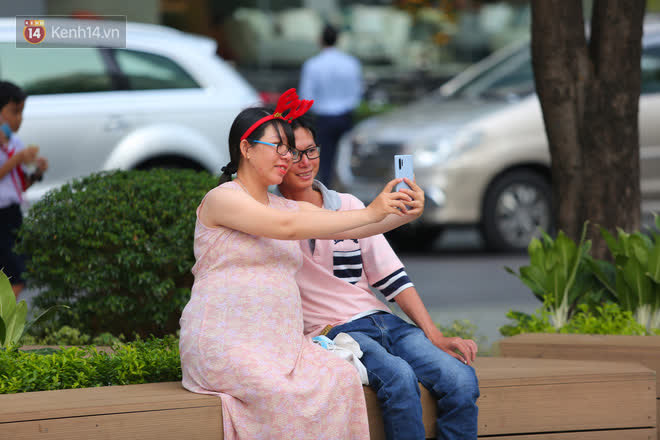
[{"x": 243, "y": 121}]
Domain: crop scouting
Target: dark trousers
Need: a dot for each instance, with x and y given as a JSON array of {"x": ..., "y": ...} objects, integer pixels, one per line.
[
  {"x": 328, "y": 131},
  {"x": 12, "y": 264}
]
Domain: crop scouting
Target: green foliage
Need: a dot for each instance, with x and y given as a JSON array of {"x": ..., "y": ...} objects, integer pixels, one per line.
[
  {"x": 71, "y": 336},
  {"x": 13, "y": 315},
  {"x": 539, "y": 322},
  {"x": 154, "y": 360},
  {"x": 118, "y": 248},
  {"x": 558, "y": 274},
  {"x": 462, "y": 328},
  {"x": 634, "y": 278},
  {"x": 608, "y": 319},
  {"x": 465, "y": 329}
]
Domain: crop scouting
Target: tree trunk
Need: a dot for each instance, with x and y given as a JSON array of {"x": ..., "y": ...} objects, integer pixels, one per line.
[{"x": 589, "y": 93}]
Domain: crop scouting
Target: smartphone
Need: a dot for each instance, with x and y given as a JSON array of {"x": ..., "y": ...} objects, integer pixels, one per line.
[
  {"x": 403, "y": 167},
  {"x": 6, "y": 130}
]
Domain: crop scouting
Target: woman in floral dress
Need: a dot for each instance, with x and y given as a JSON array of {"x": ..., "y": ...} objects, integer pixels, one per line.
[{"x": 242, "y": 330}]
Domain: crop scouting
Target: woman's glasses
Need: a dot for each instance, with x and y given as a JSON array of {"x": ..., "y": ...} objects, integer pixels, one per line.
[
  {"x": 313, "y": 152},
  {"x": 282, "y": 149}
]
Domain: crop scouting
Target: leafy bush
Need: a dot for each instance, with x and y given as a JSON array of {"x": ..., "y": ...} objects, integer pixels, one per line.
[
  {"x": 118, "y": 248},
  {"x": 154, "y": 360},
  {"x": 538, "y": 322},
  {"x": 13, "y": 315},
  {"x": 566, "y": 278},
  {"x": 634, "y": 278},
  {"x": 71, "y": 336},
  {"x": 608, "y": 319},
  {"x": 559, "y": 275},
  {"x": 462, "y": 328},
  {"x": 465, "y": 329}
]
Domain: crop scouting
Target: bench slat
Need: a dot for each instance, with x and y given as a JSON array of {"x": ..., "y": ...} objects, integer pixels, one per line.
[
  {"x": 102, "y": 400},
  {"x": 619, "y": 434},
  {"x": 620, "y": 348},
  {"x": 189, "y": 424},
  {"x": 517, "y": 396}
]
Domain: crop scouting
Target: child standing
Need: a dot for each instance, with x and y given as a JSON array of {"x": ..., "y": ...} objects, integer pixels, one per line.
[{"x": 14, "y": 179}]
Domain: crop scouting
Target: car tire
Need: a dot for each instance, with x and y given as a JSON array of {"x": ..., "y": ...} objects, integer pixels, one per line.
[
  {"x": 517, "y": 207},
  {"x": 413, "y": 238}
]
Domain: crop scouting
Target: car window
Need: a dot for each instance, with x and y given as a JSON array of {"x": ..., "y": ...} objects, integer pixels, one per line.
[
  {"x": 146, "y": 71},
  {"x": 512, "y": 77},
  {"x": 651, "y": 70},
  {"x": 47, "y": 71}
]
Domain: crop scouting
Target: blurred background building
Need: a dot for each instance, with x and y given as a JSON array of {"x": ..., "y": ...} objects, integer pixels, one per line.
[{"x": 407, "y": 47}]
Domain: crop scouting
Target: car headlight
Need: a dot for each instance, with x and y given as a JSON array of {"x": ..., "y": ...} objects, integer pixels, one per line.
[{"x": 442, "y": 150}]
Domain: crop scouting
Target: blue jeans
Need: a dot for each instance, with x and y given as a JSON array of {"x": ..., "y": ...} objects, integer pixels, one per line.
[{"x": 397, "y": 355}]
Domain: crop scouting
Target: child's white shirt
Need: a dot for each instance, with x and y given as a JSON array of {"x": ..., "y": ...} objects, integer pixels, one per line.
[{"x": 8, "y": 191}]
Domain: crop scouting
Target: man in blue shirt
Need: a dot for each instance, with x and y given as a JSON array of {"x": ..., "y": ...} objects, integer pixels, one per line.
[{"x": 333, "y": 79}]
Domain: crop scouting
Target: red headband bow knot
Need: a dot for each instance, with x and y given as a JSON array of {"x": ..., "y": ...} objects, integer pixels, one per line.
[{"x": 287, "y": 102}]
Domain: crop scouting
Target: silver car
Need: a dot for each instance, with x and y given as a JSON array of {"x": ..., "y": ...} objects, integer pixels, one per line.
[
  {"x": 165, "y": 100},
  {"x": 480, "y": 150}
]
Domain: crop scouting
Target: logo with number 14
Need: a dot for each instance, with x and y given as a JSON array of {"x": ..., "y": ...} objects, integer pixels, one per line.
[{"x": 34, "y": 31}]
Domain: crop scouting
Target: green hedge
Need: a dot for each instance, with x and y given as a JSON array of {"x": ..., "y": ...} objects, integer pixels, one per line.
[
  {"x": 154, "y": 360},
  {"x": 606, "y": 319},
  {"x": 117, "y": 247}
]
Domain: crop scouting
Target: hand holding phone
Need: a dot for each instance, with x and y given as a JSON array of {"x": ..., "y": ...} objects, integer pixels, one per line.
[{"x": 403, "y": 167}]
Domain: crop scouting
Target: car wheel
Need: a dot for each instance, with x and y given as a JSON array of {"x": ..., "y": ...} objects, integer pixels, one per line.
[
  {"x": 516, "y": 209},
  {"x": 413, "y": 238}
]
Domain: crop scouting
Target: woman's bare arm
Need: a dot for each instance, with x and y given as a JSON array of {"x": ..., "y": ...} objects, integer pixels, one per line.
[
  {"x": 415, "y": 208},
  {"x": 238, "y": 210}
]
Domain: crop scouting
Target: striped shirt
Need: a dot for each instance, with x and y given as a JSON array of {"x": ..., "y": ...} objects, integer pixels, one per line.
[{"x": 337, "y": 276}]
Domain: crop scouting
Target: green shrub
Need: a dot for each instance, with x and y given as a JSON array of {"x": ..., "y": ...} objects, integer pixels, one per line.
[
  {"x": 634, "y": 278},
  {"x": 559, "y": 274},
  {"x": 462, "y": 328},
  {"x": 13, "y": 315},
  {"x": 608, "y": 319},
  {"x": 71, "y": 336},
  {"x": 153, "y": 360},
  {"x": 117, "y": 247},
  {"x": 539, "y": 322}
]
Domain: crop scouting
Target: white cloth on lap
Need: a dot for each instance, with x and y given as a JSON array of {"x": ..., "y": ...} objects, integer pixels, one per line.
[{"x": 347, "y": 348}]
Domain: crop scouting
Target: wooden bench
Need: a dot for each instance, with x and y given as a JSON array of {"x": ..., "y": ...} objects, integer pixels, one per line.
[
  {"x": 616, "y": 348},
  {"x": 523, "y": 399}
]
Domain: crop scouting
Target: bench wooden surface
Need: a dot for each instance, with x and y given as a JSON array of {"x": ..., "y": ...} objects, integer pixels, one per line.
[
  {"x": 525, "y": 399},
  {"x": 615, "y": 348}
]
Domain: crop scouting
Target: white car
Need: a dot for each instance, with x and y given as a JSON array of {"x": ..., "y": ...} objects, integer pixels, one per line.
[
  {"x": 165, "y": 100},
  {"x": 481, "y": 153}
]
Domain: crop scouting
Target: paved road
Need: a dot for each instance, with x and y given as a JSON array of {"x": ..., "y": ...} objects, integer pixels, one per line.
[{"x": 459, "y": 280}]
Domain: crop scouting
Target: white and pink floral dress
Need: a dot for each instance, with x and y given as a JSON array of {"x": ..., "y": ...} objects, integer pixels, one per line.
[{"x": 242, "y": 340}]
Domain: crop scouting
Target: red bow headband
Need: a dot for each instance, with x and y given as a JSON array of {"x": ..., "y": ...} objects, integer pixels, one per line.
[{"x": 288, "y": 101}]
